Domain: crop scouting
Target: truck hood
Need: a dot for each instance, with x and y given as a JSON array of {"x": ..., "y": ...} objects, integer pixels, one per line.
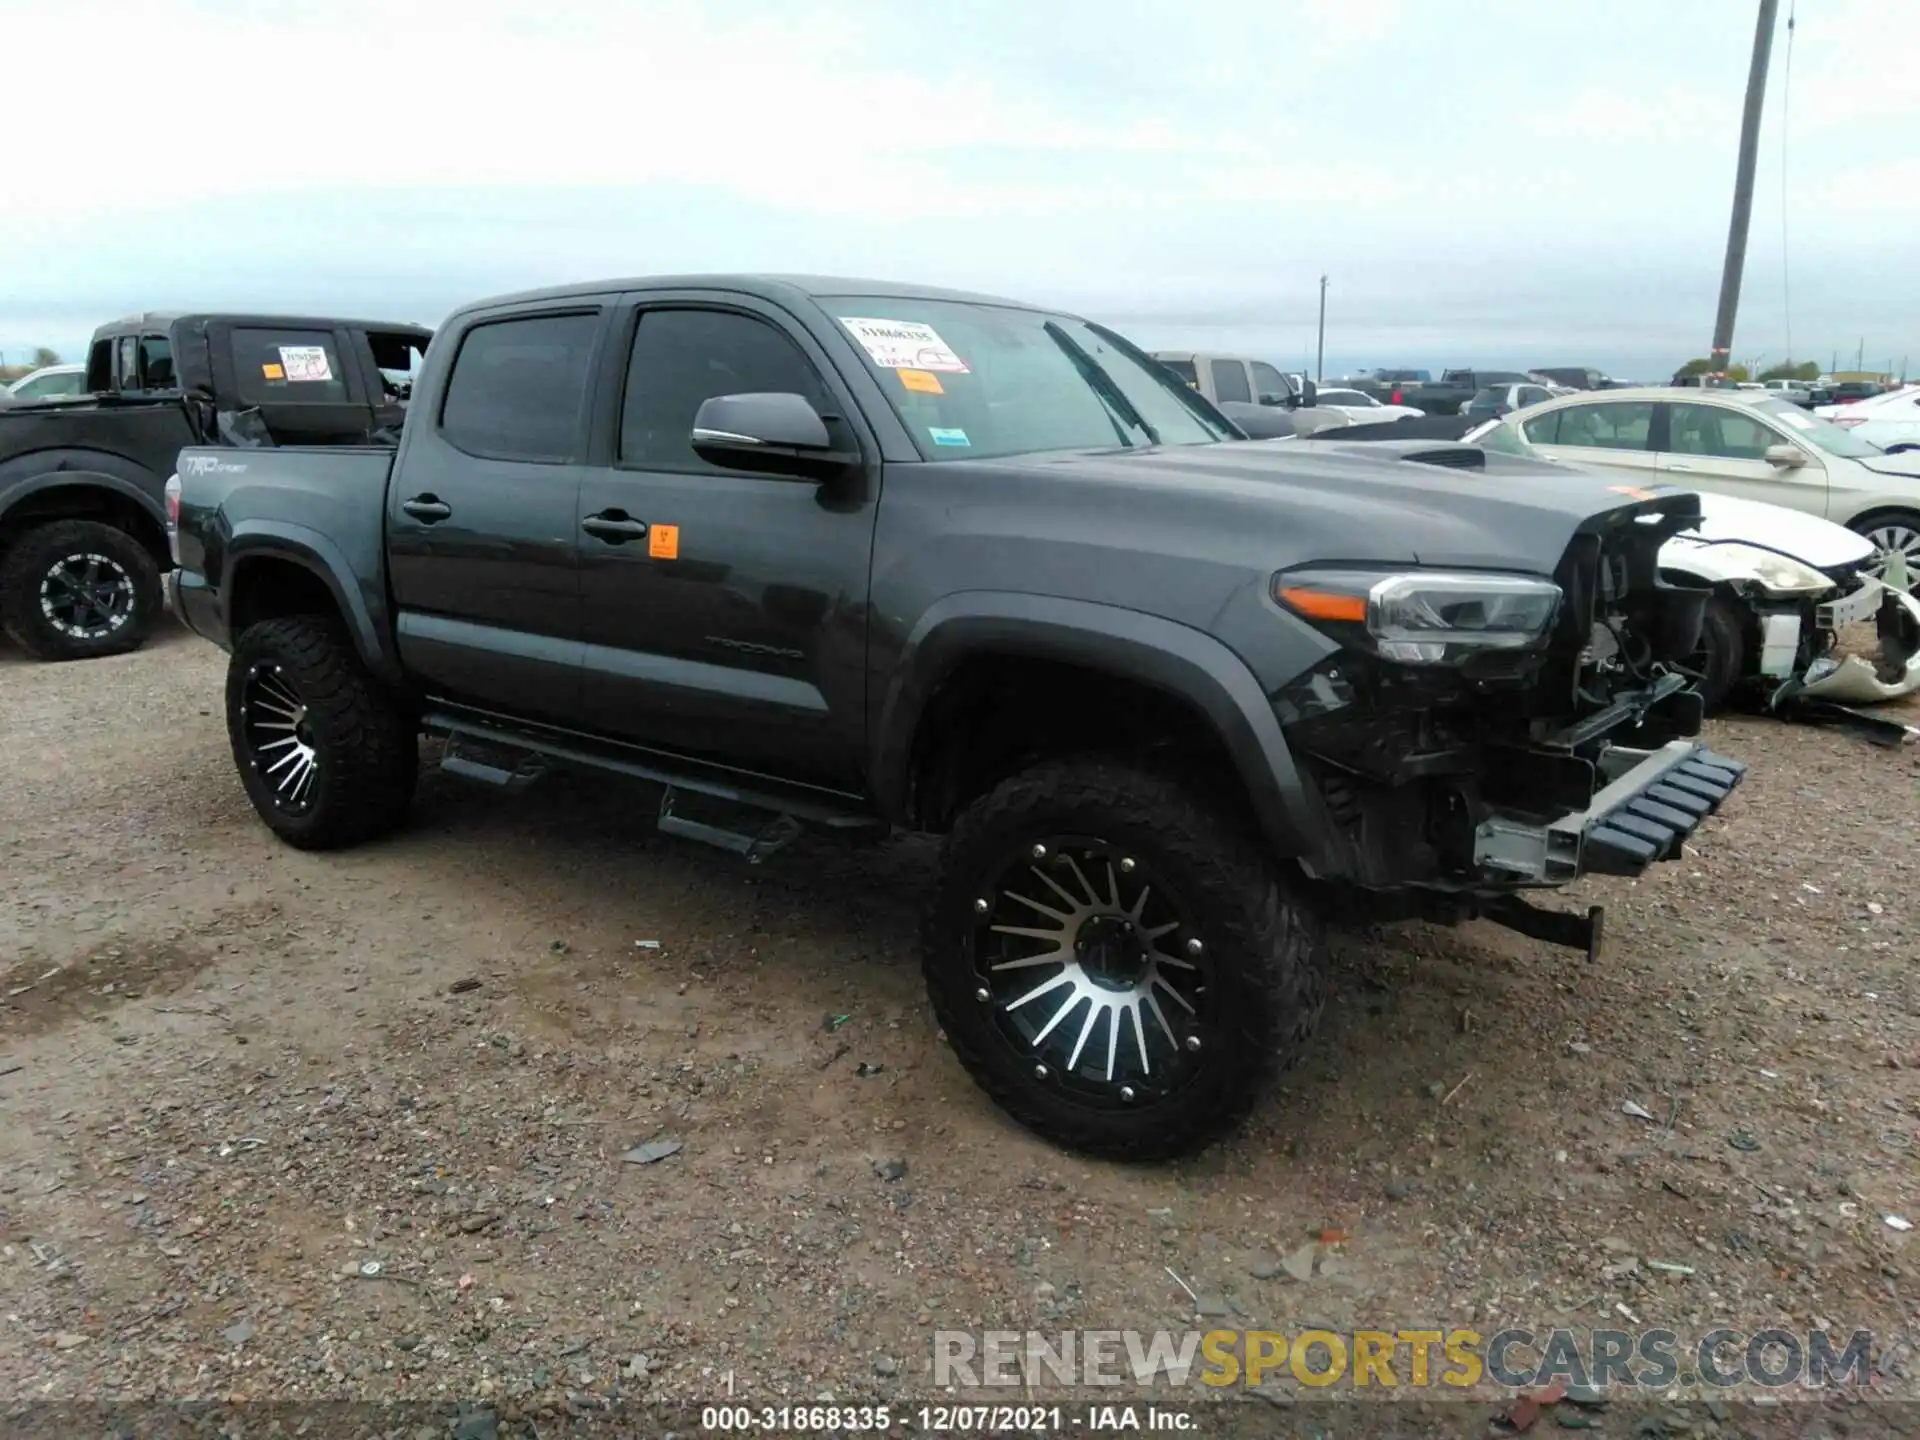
[{"x": 1364, "y": 501}]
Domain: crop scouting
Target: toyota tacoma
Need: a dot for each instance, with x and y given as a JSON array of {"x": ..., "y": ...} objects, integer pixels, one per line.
[{"x": 843, "y": 554}]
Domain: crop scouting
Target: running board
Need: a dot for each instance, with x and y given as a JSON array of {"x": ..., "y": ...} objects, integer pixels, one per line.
[
  {"x": 776, "y": 834},
  {"x": 497, "y": 755},
  {"x": 490, "y": 764}
]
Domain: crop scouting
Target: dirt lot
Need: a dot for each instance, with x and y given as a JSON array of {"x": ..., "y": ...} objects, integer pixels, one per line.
[{"x": 232, "y": 1076}]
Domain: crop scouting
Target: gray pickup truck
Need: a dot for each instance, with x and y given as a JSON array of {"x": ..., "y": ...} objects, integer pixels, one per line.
[{"x": 867, "y": 557}]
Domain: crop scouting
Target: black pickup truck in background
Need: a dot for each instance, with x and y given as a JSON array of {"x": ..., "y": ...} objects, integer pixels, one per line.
[
  {"x": 83, "y": 478},
  {"x": 869, "y": 557},
  {"x": 1448, "y": 395}
]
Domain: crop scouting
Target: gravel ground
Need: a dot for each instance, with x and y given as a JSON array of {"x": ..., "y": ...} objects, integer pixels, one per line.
[{"x": 235, "y": 1078}]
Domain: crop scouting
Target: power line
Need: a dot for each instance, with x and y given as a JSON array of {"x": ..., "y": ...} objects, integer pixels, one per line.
[{"x": 1786, "y": 129}]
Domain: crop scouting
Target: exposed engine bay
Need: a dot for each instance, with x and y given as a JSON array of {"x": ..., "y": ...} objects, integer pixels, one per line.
[{"x": 1522, "y": 765}]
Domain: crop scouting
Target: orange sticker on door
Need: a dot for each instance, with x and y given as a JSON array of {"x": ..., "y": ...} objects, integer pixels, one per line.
[
  {"x": 924, "y": 381},
  {"x": 663, "y": 542},
  {"x": 273, "y": 372}
]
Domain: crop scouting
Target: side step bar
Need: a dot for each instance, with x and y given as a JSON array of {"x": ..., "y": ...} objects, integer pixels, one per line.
[{"x": 494, "y": 756}]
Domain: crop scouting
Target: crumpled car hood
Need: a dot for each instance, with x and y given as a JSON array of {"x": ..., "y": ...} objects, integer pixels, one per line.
[{"x": 1816, "y": 542}]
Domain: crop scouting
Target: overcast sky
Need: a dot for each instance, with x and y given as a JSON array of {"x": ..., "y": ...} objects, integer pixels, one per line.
[{"x": 1510, "y": 182}]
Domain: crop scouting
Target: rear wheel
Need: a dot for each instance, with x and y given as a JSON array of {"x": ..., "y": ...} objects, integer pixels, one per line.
[
  {"x": 1118, "y": 965},
  {"x": 78, "y": 590},
  {"x": 1893, "y": 532},
  {"x": 328, "y": 756}
]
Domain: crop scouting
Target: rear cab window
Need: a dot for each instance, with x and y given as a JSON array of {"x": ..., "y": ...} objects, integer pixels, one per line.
[{"x": 277, "y": 367}]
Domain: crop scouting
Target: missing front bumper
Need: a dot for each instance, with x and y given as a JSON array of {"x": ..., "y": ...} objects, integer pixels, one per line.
[{"x": 1652, "y": 801}]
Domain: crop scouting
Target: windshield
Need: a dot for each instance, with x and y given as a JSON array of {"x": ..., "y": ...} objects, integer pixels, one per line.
[
  {"x": 1832, "y": 438},
  {"x": 979, "y": 381}
]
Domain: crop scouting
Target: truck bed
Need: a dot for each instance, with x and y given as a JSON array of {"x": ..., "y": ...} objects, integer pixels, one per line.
[{"x": 332, "y": 497}]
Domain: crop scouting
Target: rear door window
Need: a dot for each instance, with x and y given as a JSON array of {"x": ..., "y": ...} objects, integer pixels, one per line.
[
  {"x": 1617, "y": 426},
  {"x": 519, "y": 386},
  {"x": 278, "y": 367}
]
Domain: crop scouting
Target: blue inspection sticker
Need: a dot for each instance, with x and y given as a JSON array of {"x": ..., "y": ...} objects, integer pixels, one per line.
[{"x": 948, "y": 437}]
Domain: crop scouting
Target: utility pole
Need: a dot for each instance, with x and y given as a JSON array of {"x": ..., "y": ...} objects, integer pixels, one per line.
[
  {"x": 1320, "y": 355},
  {"x": 1860, "y": 355},
  {"x": 1743, "y": 192}
]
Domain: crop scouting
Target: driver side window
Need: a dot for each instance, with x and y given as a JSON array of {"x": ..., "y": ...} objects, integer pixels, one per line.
[
  {"x": 1719, "y": 432},
  {"x": 682, "y": 358}
]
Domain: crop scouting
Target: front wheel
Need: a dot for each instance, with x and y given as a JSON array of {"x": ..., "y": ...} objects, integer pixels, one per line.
[
  {"x": 1722, "y": 656},
  {"x": 1893, "y": 532},
  {"x": 328, "y": 756},
  {"x": 78, "y": 590},
  {"x": 1118, "y": 965}
]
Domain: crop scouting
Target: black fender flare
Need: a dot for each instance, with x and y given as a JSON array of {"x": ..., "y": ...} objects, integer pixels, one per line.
[
  {"x": 314, "y": 552},
  {"x": 1128, "y": 644},
  {"x": 39, "y": 480}
]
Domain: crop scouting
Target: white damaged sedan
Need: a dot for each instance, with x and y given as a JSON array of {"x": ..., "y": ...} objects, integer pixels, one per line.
[{"x": 1785, "y": 584}]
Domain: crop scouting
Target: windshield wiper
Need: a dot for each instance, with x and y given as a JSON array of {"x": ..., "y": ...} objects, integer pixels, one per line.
[{"x": 1102, "y": 383}]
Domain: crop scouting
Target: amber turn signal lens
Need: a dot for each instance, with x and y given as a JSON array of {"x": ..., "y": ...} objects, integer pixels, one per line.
[{"x": 1325, "y": 604}]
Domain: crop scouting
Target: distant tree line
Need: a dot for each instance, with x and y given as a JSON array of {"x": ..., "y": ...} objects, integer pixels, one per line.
[
  {"x": 42, "y": 357},
  {"x": 1788, "y": 370}
]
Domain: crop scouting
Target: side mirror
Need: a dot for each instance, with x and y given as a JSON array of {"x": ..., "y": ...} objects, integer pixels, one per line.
[
  {"x": 1786, "y": 457},
  {"x": 777, "y": 433},
  {"x": 1309, "y": 394}
]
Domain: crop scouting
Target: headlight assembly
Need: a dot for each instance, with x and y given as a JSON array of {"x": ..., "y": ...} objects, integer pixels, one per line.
[{"x": 1424, "y": 617}]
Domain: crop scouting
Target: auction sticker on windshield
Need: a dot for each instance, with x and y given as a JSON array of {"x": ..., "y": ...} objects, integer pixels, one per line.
[
  {"x": 948, "y": 437},
  {"x": 924, "y": 382},
  {"x": 305, "y": 362},
  {"x": 905, "y": 345}
]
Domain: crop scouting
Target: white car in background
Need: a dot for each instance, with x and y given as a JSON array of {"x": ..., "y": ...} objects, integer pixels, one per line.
[
  {"x": 49, "y": 381},
  {"x": 1784, "y": 585},
  {"x": 1891, "y": 421},
  {"x": 1743, "y": 443},
  {"x": 1364, "y": 409}
]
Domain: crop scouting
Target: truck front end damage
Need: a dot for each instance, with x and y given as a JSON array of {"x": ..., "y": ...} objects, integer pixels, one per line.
[{"x": 1478, "y": 736}]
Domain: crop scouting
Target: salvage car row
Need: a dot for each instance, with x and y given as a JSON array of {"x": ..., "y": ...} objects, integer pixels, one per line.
[{"x": 868, "y": 557}]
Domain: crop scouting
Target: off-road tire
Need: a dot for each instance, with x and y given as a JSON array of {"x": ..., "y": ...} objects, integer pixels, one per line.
[
  {"x": 114, "y": 554},
  {"x": 365, "y": 742},
  {"x": 1723, "y": 651},
  {"x": 1267, "y": 949}
]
